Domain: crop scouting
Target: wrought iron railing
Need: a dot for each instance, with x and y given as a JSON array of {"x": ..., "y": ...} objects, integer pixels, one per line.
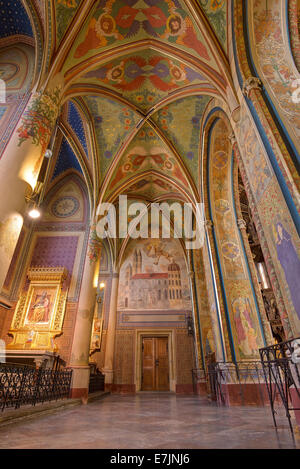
[
  {"x": 240, "y": 374},
  {"x": 25, "y": 385},
  {"x": 281, "y": 368}
]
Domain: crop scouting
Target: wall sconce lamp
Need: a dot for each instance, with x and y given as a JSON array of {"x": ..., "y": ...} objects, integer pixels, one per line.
[
  {"x": 34, "y": 212},
  {"x": 32, "y": 198},
  {"x": 190, "y": 325},
  {"x": 101, "y": 287}
]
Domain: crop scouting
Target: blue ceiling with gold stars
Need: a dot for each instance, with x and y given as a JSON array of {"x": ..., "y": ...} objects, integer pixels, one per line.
[
  {"x": 14, "y": 19},
  {"x": 76, "y": 123},
  {"x": 66, "y": 160}
]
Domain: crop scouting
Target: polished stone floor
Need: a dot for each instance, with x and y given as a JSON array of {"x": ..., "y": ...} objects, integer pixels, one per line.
[{"x": 151, "y": 421}]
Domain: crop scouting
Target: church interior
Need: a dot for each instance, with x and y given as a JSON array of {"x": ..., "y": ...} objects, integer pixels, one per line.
[{"x": 171, "y": 103}]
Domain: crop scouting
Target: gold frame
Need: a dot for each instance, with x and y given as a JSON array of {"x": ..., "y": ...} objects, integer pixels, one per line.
[{"x": 39, "y": 335}]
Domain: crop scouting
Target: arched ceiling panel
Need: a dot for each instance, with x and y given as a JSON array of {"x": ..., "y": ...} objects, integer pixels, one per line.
[
  {"x": 76, "y": 123},
  {"x": 180, "y": 121},
  {"x": 112, "y": 23},
  {"x": 66, "y": 160},
  {"x": 151, "y": 187},
  {"x": 112, "y": 123},
  {"x": 144, "y": 78},
  {"x": 216, "y": 12},
  {"x": 147, "y": 154},
  {"x": 65, "y": 10}
]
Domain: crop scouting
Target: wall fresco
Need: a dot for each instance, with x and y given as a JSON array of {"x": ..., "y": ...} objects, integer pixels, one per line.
[
  {"x": 16, "y": 69},
  {"x": 284, "y": 245},
  {"x": 153, "y": 279},
  {"x": 258, "y": 167},
  {"x": 271, "y": 55},
  {"x": 294, "y": 30}
]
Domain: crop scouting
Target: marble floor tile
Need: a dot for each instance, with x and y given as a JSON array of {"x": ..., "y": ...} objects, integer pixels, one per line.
[{"x": 153, "y": 421}]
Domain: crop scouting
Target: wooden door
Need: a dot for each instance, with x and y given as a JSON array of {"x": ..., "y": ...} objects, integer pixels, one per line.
[{"x": 155, "y": 359}]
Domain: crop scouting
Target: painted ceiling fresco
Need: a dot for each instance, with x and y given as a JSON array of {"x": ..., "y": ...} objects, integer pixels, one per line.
[
  {"x": 112, "y": 123},
  {"x": 104, "y": 56},
  {"x": 151, "y": 187},
  {"x": 114, "y": 23},
  {"x": 147, "y": 153},
  {"x": 14, "y": 19},
  {"x": 181, "y": 122},
  {"x": 216, "y": 12},
  {"x": 143, "y": 78},
  {"x": 76, "y": 123},
  {"x": 65, "y": 11},
  {"x": 66, "y": 160}
]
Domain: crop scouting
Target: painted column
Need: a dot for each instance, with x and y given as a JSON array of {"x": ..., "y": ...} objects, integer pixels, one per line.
[
  {"x": 20, "y": 165},
  {"x": 108, "y": 369},
  {"x": 243, "y": 318},
  {"x": 219, "y": 297},
  {"x": 198, "y": 346},
  {"x": 83, "y": 327},
  {"x": 265, "y": 323},
  {"x": 265, "y": 249},
  {"x": 211, "y": 286}
]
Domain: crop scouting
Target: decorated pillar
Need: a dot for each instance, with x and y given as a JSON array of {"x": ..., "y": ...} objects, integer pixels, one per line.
[
  {"x": 224, "y": 335},
  {"x": 276, "y": 199},
  {"x": 83, "y": 327},
  {"x": 198, "y": 345},
  {"x": 242, "y": 312},
  {"x": 265, "y": 249},
  {"x": 108, "y": 369},
  {"x": 214, "y": 305},
  {"x": 20, "y": 166},
  {"x": 265, "y": 323}
]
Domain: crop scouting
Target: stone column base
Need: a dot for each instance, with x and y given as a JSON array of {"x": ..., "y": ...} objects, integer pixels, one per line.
[
  {"x": 247, "y": 394},
  {"x": 80, "y": 383},
  {"x": 109, "y": 378}
]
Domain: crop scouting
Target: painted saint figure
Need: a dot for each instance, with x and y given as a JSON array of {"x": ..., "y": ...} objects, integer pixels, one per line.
[
  {"x": 290, "y": 263},
  {"x": 244, "y": 326},
  {"x": 40, "y": 310}
]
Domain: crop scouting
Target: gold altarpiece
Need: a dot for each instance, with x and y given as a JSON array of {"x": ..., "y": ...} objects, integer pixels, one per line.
[{"x": 40, "y": 312}]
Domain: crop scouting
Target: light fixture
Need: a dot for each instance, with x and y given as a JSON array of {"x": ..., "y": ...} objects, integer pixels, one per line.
[
  {"x": 190, "y": 325},
  {"x": 102, "y": 285},
  {"x": 34, "y": 212}
]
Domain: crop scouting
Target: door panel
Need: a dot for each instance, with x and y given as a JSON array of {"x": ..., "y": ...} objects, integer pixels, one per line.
[
  {"x": 155, "y": 372},
  {"x": 148, "y": 365},
  {"x": 162, "y": 364}
]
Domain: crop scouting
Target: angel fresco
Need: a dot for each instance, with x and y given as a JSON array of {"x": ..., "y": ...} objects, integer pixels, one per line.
[
  {"x": 244, "y": 326},
  {"x": 155, "y": 251},
  {"x": 132, "y": 73},
  {"x": 101, "y": 32},
  {"x": 163, "y": 20}
]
